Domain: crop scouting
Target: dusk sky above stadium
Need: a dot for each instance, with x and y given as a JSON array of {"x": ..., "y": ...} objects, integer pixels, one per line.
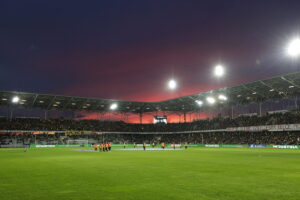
[{"x": 129, "y": 49}]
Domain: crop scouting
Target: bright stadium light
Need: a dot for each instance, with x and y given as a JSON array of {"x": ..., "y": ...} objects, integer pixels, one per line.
[
  {"x": 113, "y": 106},
  {"x": 219, "y": 71},
  {"x": 15, "y": 99},
  {"x": 210, "y": 100},
  {"x": 222, "y": 97},
  {"x": 293, "y": 48},
  {"x": 199, "y": 102},
  {"x": 172, "y": 84}
]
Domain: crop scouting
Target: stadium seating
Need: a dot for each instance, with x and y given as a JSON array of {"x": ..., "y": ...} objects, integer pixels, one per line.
[
  {"x": 120, "y": 126},
  {"x": 129, "y": 133}
]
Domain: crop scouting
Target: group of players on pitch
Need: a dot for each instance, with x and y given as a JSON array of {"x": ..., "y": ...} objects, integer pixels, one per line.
[{"x": 105, "y": 147}]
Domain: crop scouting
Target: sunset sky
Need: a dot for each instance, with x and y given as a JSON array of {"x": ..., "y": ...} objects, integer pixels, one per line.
[{"x": 129, "y": 49}]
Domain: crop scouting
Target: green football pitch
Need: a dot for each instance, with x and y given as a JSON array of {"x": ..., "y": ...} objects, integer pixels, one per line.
[{"x": 199, "y": 173}]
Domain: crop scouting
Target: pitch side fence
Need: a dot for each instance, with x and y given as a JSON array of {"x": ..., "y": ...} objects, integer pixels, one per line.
[
  {"x": 179, "y": 146},
  {"x": 271, "y": 128}
]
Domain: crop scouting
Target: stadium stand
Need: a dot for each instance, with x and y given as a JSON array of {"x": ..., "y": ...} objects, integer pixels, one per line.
[
  {"x": 272, "y": 127},
  {"x": 120, "y": 126},
  {"x": 215, "y": 131}
]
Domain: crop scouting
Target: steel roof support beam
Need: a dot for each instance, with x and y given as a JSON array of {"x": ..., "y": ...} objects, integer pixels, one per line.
[
  {"x": 252, "y": 90},
  {"x": 271, "y": 87},
  {"x": 71, "y": 99},
  {"x": 290, "y": 82},
  {"x": 36, "y": 96},
  {"x": 51, "y": 102}
]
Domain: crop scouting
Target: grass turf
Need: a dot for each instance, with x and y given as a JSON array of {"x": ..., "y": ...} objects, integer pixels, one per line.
[{"x": 199, "y": 173}]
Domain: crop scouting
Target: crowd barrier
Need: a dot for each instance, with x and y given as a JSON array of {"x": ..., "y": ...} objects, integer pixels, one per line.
[
  {"x": 248, "y": 146},
  {"x": 58, "y": 145},
  {"x": 178, "y": 146}
]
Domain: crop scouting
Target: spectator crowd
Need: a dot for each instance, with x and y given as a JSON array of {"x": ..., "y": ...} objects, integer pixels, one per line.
[
  {"x": 61, "y": 124},
  {"x": 209, "y": 131}
]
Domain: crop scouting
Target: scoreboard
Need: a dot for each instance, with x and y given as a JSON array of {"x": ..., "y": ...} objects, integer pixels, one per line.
[{"x": 160, "y": 120}]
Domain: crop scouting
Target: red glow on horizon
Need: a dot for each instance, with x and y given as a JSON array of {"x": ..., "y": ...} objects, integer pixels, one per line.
[{"x": 147, "y": 118}]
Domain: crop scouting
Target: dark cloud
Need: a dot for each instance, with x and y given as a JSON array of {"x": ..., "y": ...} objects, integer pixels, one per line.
[{"x": 128, "y": 49}]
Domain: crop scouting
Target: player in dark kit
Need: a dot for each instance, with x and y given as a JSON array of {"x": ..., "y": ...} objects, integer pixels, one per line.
[
  {"x": 26, "y": 147},
  {"x": 109, "y": 146},
  {"x": 186, "y": 145},
  {"x": 144, "y": 146}
]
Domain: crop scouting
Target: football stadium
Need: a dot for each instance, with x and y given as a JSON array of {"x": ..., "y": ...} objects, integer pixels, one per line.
[
  {"x": 218, "y": 158},
  {"x": 79, "y": 131}
]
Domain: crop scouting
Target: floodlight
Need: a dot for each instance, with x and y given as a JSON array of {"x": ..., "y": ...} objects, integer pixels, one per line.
[
  {"x": 210, "y": 100},
  {"x": 172, "y": 84},
  {"x": 293, "y": 48},
  {"x": 222, "y": 97},
  {"x": 219, "y": 71},
  {"x": 199, "y": 102},
  {"x": 15, "y": 99},
  {"x": 113, "y": 106}
]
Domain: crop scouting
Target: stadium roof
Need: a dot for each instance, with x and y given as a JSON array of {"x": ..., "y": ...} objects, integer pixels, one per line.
[{"x": 275, "y": 88}]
